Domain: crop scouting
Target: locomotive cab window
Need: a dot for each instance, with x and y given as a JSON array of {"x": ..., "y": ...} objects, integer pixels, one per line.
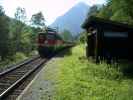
[{"x": 50, "y": 36}]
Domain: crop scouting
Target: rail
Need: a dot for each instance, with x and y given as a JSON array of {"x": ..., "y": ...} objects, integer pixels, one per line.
[{"x": 12, "y": 78}]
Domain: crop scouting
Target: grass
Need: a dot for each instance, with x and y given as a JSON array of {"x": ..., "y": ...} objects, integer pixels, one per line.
[
  {"x": 80, "y": 79},
  {"x": 15, "y": 59},
  {"x": 18, "y": 57}
]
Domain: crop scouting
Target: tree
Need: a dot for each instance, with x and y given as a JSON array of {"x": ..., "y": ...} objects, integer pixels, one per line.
[
  {"x": 67, "y": 36},
  {"x": 105, "y": 12},
  {"x": 120, "y": 16},
  {"x": 20, "y": 32},
  {"x": 15, "y": 35},
  {"x": 38, "y": 20},
  {"x": 82, "y": 37},
  {"x": 2, "y": 13},
  {"x": 93, "y": 10},
  {"x": 4, "y": 35},
  {"x": 117, "y": 10},
  {"x": 20, "y": 14},
  {"x": 17, "y": 28},
  {"x": 122, "y": 10}
]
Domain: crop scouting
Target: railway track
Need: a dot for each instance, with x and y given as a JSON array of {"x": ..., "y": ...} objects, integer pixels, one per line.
[{"x": 13, "y": 81}]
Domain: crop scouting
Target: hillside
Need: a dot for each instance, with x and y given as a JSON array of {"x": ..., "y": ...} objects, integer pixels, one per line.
[{"x": 72, "y": 19}]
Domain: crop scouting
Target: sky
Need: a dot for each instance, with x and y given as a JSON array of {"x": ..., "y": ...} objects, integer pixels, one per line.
[{"x": 51, "y": 9}]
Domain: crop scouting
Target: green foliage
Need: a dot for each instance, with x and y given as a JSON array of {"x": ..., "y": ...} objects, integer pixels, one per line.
[
  {"x": 15, "y": 59},
  {"x": 2, "y": 11},
  {"x": 105, "y": 12},
  {"x": 80, "y": 79},
  {"x": 66, "y": 35},
  {"x": 82, "y": 37},
  {"x": 18, "y": 56},
  {"x": 93, "y": 10},
  {"x": 117, "y": 10},
  {"x": 23, "y": 36},
  {"x": 121, "y": 17},
  {"x": 4, "y": 35},
  {"x": 38, "y": 20},
  {"x": 20, "y": 14},
  {"x": 20, "y": 35},
  {"x": 16, "y": 35},
  {"x": 124, "y": 5},
  {"x": 123, "y": 9}
]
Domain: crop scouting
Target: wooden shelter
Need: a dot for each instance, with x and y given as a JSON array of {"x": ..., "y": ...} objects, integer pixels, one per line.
[{"x": 107, "y": 40}]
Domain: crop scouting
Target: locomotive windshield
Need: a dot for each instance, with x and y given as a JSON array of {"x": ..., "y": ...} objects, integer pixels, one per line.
[{"x": 50, "y": 36}]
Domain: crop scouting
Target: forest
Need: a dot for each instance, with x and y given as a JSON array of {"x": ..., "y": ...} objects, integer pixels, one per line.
[
  {"x": 116, "y": 10},
  {"x": 18, "y": 35}
]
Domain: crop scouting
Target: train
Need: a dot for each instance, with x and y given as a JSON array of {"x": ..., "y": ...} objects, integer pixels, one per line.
[{"x": 50, "y": 42}]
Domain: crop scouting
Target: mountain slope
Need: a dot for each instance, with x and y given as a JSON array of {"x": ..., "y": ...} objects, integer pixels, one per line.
[{"x": 73, "y": 19}]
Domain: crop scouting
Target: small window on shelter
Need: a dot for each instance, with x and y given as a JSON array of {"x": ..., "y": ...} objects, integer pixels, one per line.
[{"x": 116, "y": 34}]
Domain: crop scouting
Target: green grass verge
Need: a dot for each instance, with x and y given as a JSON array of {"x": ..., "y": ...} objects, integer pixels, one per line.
[
  {"x": 15, "y": 59},
  {"x": 80, "y": 79},
  {"x": 18, "y": 57}
]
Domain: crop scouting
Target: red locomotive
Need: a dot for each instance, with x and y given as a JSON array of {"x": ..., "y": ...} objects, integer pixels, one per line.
[{"x": 49, "y": 42}]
